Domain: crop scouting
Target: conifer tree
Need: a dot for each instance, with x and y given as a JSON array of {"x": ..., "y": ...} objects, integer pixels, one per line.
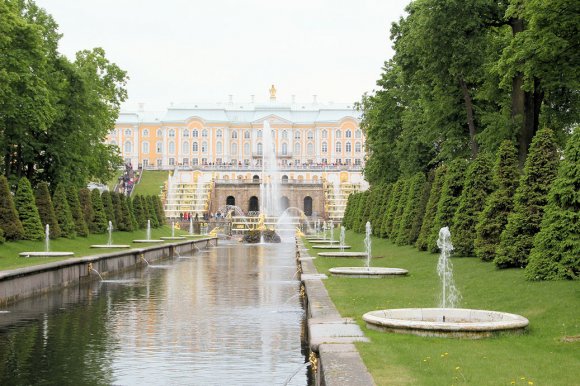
[
  {"x": 365, "y": 211},
  {"x": 107, "y": 198},
  {"x": 27, "y": 211},
  {"x": 358, "y": 215},
  {"x": 151, "y": 212},
  {"x": 134, "y": 223},
  {"x": 117, "y": 209},
  {"x": 140, "y": 211},
  {"x": 63, "y": 213},
  {"x": 9, "y": 221},
  {"x": 345, "y": 217},
  {"x": 530, "y": 198},
  {"x": 379, "y": 210},
  {"x": 431, "y": 209},
  {"x": 401, "y": 203},
  {"x": 2, "y": 239},
  {"x": 159, "y": 211},
  {"x": 556, "y": 251},
  {"x": 86, "y": 203},
  {"x": 99, "y": 223},
  {"x": 418, "y": 220},
  {"x": 411, "y": 210},
  {"x": 476, "y": 188},
  {"x": 46, "y": 209},
  {"x": 74, "y": 204},
  {"x": 125, "y": 224},
  {"x": 352, "y": 214},
  {"x": 449, "y": 200},
  {"x": 391, "y": 208},
  {"x": 499, "y": 204}
]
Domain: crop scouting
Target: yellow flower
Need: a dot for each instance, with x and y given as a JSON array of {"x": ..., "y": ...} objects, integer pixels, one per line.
[
  {"x": 530, "y": 383},
  {"x": 457, "y": 368},
  {"x": 513, "y": 382}
]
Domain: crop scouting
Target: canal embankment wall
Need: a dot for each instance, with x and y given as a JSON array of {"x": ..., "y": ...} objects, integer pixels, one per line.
[
  {"x": 21, "y": 283},
  {"x": 331, "y": 337}
]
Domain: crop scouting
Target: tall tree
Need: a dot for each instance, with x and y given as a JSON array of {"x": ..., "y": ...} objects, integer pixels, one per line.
[
  {"x": 27, "y": 211},
  {"x": 46, "y": 209},
  {"x": 9, "y": 221},
  {"x": 63, "y": 213},
  {"x": 72, "y": 195},
  {"x": 411, "y": 209},
  {"x": 99, "y": 221},
  {"x": 86, "y": 207},
  {"x": 107, "y": 199},
  {"x": 431, "y": 208}
]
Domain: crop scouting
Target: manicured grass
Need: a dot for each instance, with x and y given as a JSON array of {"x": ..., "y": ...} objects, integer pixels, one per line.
[
  {"x": 9, "y": 258},
  {"x": 539, "y": 357},
  {"x": 151, "y": 182}
]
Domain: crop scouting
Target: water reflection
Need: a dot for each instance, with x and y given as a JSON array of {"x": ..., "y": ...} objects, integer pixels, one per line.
[{"x": 230, "y": 316}]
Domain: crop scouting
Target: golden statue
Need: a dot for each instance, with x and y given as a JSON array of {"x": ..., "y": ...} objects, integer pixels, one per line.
[
  {"x": 261, "y": 222},
  {"x": 272, "y": 92}
]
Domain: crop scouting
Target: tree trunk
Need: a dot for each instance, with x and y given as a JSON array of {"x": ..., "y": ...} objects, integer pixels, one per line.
[{"x": 470, "y": 119}]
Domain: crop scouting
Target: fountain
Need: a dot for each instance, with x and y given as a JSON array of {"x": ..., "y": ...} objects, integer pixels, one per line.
[
  {"x": 110, "y": 240},
  {"x": 148, "y": 236},
  {"x": 367, "y": 271},
  {"x": 47, "y": 252},
  {"x": 446, "y": 321},
  {"x": 172, "y": 237},
  {"x": 269, "y": 183}
]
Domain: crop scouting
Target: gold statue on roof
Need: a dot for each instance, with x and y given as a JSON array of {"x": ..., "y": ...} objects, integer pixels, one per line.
[{"x": 272, "y": 92}]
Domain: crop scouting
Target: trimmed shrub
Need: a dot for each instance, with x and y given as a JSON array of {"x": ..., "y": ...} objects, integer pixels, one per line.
[
  {"x": 358, "y": 214},
  {"x": 530, "y": 198},
  {"x": 46, "y": 209},
  {"x": 140, "y": 211},
  {"x": 356, "y": 198},
  {"x": 499, "y": 204},
  {"x": 27, "y": 211},
  {"x": 401, "y": 204},
  {"x": 125, "y": 224},
  {"x": 556, "y": 251},
  {"x": 449, "y": 200},
  {"x": 86, "y": 202},
  {"x": 391, "y": 208},
  {"x": 365, "y": 211},
  {"x": 72, "y": 195},
  {"x": 107, "y": 198},
  {"x": 476, "y": 188},
  {"x": 159, "y": 211},
  {"x": 152, "y": 215},
  {"x": 411, "y": 210},
  {"x": 2, "y": 239},
  {"x": 379, "y": 210},
  {"x": 431, "y": 208},
  {"x": 134, "y": 224},
  {"x": 117, "y": 209},
  {"x": 345, "y": 216},
  {"x": 9, "y": 221},
  {"x": 63, "y": 214},
  {"x": 99, "y": 222},
  {"x": 418, "y": 219}
]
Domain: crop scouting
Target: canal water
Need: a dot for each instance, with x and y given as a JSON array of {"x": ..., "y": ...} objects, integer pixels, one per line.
[{"x": 228, "y": 315}]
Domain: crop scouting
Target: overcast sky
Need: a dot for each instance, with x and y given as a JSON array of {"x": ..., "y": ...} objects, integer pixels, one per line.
[{"x": 187, "y": 51}]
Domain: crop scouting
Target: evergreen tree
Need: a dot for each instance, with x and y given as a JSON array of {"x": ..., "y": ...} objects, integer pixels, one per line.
[
  {"x": 99, "y": 223},
  {"x": 345, "y": 217},
  {"x": 411, "y": 210},
  {"x": 530, "y": 198},
  {"x": 556, "y": 251},
  {"x": 379, "y": 210},
  {"x": 27, "y": 211},
  {"x": 74, "y": 204},
  {"x": 418, "y": 220},
  {"x": 134, "y": 223},
  {"x": 493, "y": 218},
  {"x": 117, "y": 209},
  {"x": 107, "y": 198},
  {"x": 63, "y": 213},
  {"x": 159, "y": 211},
  {"x": 476, "y": 188},
  {"x": 125, "y": 224},
  {"x": 431, "y": 209},
  {"x": 365, "y": 211},
  {"x": 2, "y": 239},
  {"x": 358, "y": 215},
  {"x": 398, "y": 215},
  {"x": 46, "y": 209},
  {"x": 9, "y": 221},
  {"x": 86, "y": 205},
  {"x": 151, "y": 212},
  {"x": 391, "y": 208},
  {"x": 140, "y": 211},
  {"x": 449, "y": 200}
]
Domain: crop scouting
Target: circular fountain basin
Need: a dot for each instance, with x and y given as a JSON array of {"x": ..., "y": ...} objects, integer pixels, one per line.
[
  {"x": 110, "y": 246},
  {"x": 323, "y": 241},
  {"x": 445, "y": 322},
  {"x": 343, "y": 254},
  {"x": 45, "y": 254},
  {"x": 172, "y": 238},
  {"x": 148, "y": 241},
  {"x": 333, "y": 246},
  {"x": 371, "y": 272}
]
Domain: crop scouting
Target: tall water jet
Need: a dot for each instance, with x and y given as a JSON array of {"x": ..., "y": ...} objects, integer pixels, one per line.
[
  {"x": 269, "y": 184},
  {"x": 173, "y": 229},
  {"x": 110, "y": 229},
  {"x": 449, "y": 294},
  {"x": 342, "y": 237},
  {"x": 191, "y": 226},
  {"x": 368, "y": 243},
  {"x": 110, "y": 240},
  {"x": 331, "y": 230},
  {"x": 47, "y": 238},
  {"x": 148, "y": 232}
]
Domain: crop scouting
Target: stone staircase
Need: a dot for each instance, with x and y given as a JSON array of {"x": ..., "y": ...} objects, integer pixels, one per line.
[
  {"x": 335, "y": 197},
  {"x": 187, "y": 196}
]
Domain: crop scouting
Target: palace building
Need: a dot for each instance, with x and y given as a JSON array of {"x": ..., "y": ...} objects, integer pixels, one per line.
[{"x": 317, "y": 147}]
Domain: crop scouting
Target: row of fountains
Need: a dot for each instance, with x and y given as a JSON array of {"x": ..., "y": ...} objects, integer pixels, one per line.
[{"x": 445, "y": 320}]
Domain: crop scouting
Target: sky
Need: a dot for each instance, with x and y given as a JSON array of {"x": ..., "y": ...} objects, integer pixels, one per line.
[{"x": 192, "y": 51}]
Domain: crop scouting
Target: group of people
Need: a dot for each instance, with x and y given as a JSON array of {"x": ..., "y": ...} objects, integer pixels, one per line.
[{"x": 127, "y": 180}]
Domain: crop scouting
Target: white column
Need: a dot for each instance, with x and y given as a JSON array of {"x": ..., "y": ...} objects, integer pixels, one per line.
[
  {"x": 165, "y": 147},
  {"x": 136, "y": 148}
]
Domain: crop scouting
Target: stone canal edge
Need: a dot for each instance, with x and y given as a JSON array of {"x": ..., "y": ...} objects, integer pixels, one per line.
[{"x": 331, "y": 337}]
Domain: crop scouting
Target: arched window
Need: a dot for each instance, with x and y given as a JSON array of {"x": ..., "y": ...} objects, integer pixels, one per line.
[
  {"x": 284, "y": 134},
  {"x": 324, "y": 147},
  {"x": 338, "y": 147},
  {"x": 284, "y": 202},
  {"x": 310, "y": 148},
  {"x": 310, "y": 134},
  {"x": 348, "y": 147},
  {"x": 194, "y": 147},
  {"x": 159, "y": 133},
  {"x": 256, "y": 178},
  {"x": 159, "y": 147},
  {"x": 234, "y": 148},
  {"x": 338, "y": 134},
  {"x": 358, "y": 133},
  {"x": 186, "y": 133},
  {"x": 260, "y": 148},
  {"x": 254, "y": 204},
  {"x": 194, "y": 133},
  {"x": 348, "y": 134},
  {"x": 171, "y": 133},
  {"x": 218, "y": 147},
  {"x": 145, "y": 147},
  {"x": 204, "y": 133},
  {"x": 297, "y": 149},
  {"x": 284, "y": 179},
  {"x": 185, "y": 147},
  {"x": 247, "y": 134},
  {"x": 259, "y": 133},
  {"x": 219, "y": 133},
  {"x": 324, "y": 133},
  {"x": 230, "y": 200},
  {"x": 284, "y": 148},
  {"x": 297, "y": 134},
  {"x": 127, "y": 132},
  {"x": 171, "y": 147},
  {"x": 235, "y": 134},
  {"x": 145, "y": 133},
  {"x": 357, "y": 147},
  {"x": 204, "y": 147},
  {"x": 128, "y": 146},
  {"x": 246, "y": 149},
  {"x": 308, "y": 206}
]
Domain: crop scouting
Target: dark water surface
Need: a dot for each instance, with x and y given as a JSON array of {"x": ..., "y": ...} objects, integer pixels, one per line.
[{"x": 228, "y": 316}]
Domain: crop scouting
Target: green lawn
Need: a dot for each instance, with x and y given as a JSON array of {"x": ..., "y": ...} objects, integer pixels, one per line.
[
  {"x": 9, "y": 258},
  {"x": 151, "y": 182},
  {"x": 539, "y": 357}
]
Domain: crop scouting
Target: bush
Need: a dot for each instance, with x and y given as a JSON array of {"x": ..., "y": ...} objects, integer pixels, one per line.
[
  {"x": 9, "y": 221},
  {"x": 107, "y": 198},
  {"x": 379, "y": 210},
  {"x": 46, "y": 209},
  {"x": 152, "y": 215},
  {"x": 63, "y": 214},
  {"x": 140, "y": 211},
  {"x": 449, "y": 200},
  {"x": 367, "y": 209},
  {"x": 431, "y": 208},
  {"x": 117, "y": 208},
  {"x": 418, "y": 220},
  {"x": 356, "y": 215},
  {"x": 411, "y": 210},
  {"x": 391, "y": 208},
  {"x": 556, "y": 251},
  {"x": 159, "y": 211},
  {"x": 134, "y": 223},
  {"x": 27, "y": 211},
  {"x": 363, "y": 212},
  {"x": 99, "y": 222},
  {"x": 476, "y": 188},
  {"x": 499, "y": 204},
  {"x": 2, "y": 239},
  {"x": 529, "y": 200},
  {"x": 346, "y": 216},
  {"x": 72, "y": 195},
  {"x": 401, "y": 204},
  {"x": 125, "y": 224}
]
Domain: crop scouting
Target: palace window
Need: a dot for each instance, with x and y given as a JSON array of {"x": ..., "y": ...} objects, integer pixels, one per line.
[
  {"x": 324, "y": 161},
  {"x": 297, "y": 148},
  {"x": 338, "y": 147},
  {"x": 338, "y": 134},
  {"x": 171, "y": 161},
  {"x": 358, "y": 133},
  {"x": 194, "y": 161},
  {"x": 186, "y": 133},
  {"x": 357, "y": 147},
  {"x": 171, "y": 147},
  {"x": 284, "y": 148},
  {"x": 310, "y": 134},
  {"x": 159, "y": 133},
  {"x": 159, "y": 162},
  {"x": 348, "y": 161},
  {"x": 172, "y": 133},
  {"x": 204, "y": 133},
  {"x": 324, "y": 147},
  {"x": 145, "y": 163},
  {"x": 159, "y": 147},
  {"x": 128, "y": 147},
  {"x": 234, "y": 134},
  {"x": 284, "y": 134},
  {"x": 204, "y": 147},
  {"x": 127, "y": 132},
  {"x": 260, "y": 148},
  {"x": 357, "y": 161},
  {"x": 234, "y": 149},
  {"x": 185, "y": 147},
  {"x": 297, "y": 134},
  {"x": 310, "y": 148},
  {"x": 194, "y": 133},
  {"x": 324, "y": 133},
  {"x": 186, "y": 161},
  {"x": 348, "y": 147},
  {"x": 204, "y": 161},
  {"x": 145, "y": 147},
  {"x": 246, "y": 149},
  {"x": 348, "y": 134},
  {"x": 145, "y": 133},
  {"x": 259, "y": 133},
  {"x": 194, "y": 147},
  {"x": 247, "y": 134},
  {"x": 219, "y": 133},
  {"x": 218, "y": 147}
]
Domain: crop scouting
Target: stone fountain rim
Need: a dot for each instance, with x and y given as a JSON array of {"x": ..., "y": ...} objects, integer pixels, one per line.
[
  {"x": 372, "y": 271},
  {"x": 110, "y": 246},
  {"x": 342, "y": 254},
  {"x": 394, "y": 320},
  {"x": 45, "y": 254}
]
